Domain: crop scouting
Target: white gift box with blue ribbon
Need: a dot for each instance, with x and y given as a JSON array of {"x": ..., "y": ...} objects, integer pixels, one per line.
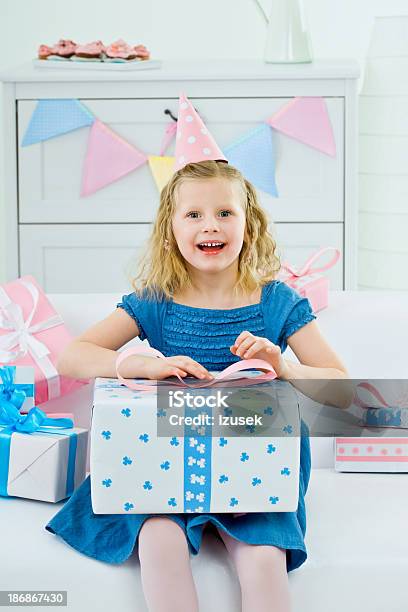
[
  {"x": 40, "y": 458},
  {"x": 135, "y": 471}
]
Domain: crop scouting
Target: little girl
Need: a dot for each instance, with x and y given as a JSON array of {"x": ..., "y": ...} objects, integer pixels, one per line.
[{"x": 206, "y": 297}]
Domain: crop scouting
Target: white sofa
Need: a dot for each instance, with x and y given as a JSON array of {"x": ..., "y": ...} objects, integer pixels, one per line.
[{"x": 356, "y": 538}]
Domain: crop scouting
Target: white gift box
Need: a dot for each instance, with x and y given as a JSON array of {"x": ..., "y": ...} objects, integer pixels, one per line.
[
  {"x": 43, "y": 464},
  {"x": 382, "y": 454},
  {"x": 133, "y": 470}
]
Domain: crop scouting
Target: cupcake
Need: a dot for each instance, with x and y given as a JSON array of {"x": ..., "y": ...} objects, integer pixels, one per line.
[
  {"x": 44, "y": 52},
  {"x": 141, "y": 52},
  {"x": 63, "y": 49},
  {"x": 91, "y": 51},
  {"x": 120, "y": 51}
]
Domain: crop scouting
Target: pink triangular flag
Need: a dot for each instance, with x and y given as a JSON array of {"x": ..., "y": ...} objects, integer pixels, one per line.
[
  {"x": 194, "y": 142},
  {"x": 306, "y": 120},
  {"x": 108, "y": 158},
  {"x": 171, "y": 129}
]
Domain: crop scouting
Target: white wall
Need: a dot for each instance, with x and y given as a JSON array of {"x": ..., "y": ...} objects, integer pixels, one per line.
[{"x": 178, "y": 28}]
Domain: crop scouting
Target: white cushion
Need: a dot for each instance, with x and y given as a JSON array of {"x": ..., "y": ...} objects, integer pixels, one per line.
[{"x": 356, "y": 538}]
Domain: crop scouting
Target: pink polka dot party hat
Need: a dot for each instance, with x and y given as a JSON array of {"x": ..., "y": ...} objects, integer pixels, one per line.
[{"x": 194, "y": 142}]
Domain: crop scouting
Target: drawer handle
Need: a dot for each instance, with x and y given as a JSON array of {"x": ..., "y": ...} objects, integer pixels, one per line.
[{"x": 168, "y": 112}]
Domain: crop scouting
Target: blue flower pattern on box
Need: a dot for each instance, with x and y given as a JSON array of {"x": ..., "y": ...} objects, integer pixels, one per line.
[
  {"x": 383, "y": 417},
  {"x": 197, "y": 464},
  {"x": 196, "y": 446}
]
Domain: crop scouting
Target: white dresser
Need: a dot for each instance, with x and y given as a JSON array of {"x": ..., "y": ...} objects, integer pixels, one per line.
[{"x": 89, "y": 244}]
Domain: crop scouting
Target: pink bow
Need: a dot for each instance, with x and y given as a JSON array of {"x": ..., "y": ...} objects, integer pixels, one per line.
[
  {"x": 245, "y": 364},
  {"x": 307, "y": 267}
]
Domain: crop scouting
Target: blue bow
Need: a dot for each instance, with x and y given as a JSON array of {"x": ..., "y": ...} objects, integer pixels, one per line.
[
  {"x": 12, "y": 421},
  {"x": 8, "y": 390}
]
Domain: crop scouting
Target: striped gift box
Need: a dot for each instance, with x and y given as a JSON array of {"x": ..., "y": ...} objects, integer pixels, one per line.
[{"x": 371, "y": 454}]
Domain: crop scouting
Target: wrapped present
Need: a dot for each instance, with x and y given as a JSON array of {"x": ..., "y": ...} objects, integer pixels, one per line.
[
  {"x": 40, "y": 458},
  {"x": 33, "y": 333},
  {"x": 17, "y": 386},
  {"x": 134, "y": 470},
  {"x": 379, "y": 454},
  {"x": 308, "y": 281},
  {"x": 371, "y": 454}
]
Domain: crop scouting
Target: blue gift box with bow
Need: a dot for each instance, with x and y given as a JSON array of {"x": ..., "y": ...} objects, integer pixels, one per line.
[{"x": 40, "y": 458}]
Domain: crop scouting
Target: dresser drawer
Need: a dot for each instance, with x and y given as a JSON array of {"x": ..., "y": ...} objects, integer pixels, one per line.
[
  {"x": 101, "y": 258},
  {"x": 310, "y": 183},
  {"x": 81, "y": 258}
]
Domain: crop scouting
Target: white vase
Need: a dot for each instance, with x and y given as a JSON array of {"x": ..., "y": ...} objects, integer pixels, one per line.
[
  {"x": 383, "y": 158},
  {"x": 287, "y": 40}
]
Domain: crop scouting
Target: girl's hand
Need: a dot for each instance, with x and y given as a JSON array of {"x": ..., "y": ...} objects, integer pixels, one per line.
[
  {"x": 158, "y": 369},
  {"x": 248, "y": 346}
]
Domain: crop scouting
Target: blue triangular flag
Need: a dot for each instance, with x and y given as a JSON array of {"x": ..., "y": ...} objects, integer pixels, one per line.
[
  {"x": 54, "y": 117},
  {"x": 253, "y": 155}
]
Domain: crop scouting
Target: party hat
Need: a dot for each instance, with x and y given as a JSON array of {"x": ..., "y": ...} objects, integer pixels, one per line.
[{"x": 194, "y": 142}]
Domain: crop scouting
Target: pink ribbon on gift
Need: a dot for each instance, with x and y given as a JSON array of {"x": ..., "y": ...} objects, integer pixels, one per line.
[
  {"x": 374, "y": 392},
  {"x": 307, "y": 269},
  {"x": 358, "y": 401},
  {"x": 22, "y": 336},
  {"x": 245, "y": 364}
]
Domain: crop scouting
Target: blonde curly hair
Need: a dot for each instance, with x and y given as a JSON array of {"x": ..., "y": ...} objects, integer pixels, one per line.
[{"x": 163, "y": 270}]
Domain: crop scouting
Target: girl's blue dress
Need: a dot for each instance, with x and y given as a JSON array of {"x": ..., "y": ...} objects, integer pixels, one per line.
[{"x": 205, "y": 335}]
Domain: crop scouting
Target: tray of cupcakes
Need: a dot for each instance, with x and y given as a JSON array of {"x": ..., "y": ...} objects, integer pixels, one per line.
[{"x": 119, "y": 55}]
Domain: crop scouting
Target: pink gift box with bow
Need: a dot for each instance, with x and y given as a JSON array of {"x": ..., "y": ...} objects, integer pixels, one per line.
[
  {"x": 308, "y": 281},
  {"x": 33, "y": 333}
]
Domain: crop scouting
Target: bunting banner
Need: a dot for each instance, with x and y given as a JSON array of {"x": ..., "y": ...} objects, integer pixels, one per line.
[
  {"x": 306, "y": 120},
  {"x": 108, "y": 158},
  {"x": 53, "y": 118},
  {"x": 162, "y": 169},
  {"x": 170, "y": 133},
  {"x": 253, "y": 154}
]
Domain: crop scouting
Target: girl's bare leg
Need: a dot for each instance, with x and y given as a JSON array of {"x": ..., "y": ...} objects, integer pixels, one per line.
[
  {"x": 167, "y": 578},
  {"x": 262, "y": 575}
]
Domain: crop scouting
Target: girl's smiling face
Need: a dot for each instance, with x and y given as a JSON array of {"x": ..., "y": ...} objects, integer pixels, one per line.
[{"x": 209, "y": 223}]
